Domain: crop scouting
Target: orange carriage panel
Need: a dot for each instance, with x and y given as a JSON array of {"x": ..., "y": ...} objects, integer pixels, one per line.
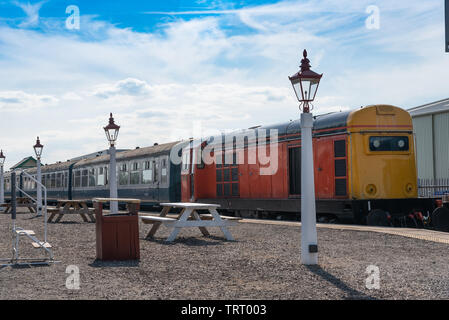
[
  {"x": 278, "y": 181},
  {"x": 245, "y": 191},
  {"x": 205, "y": 182},
  {"x": 324, "y": 168},
  {"x": 185, "y": 187}
]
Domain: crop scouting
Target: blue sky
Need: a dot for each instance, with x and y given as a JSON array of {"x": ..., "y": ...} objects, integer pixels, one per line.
[{"x": 173, "y": 69}]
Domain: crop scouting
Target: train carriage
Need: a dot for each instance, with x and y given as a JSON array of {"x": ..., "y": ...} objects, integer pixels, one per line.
[
  {"x": 364, "y": 166},
  {"x": 143, "y": 173}
]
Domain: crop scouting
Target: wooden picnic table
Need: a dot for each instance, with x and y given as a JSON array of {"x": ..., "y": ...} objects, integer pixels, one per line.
[
  {"x": 21, "y": 202},
  {"x": 71, "y": 207},
  {"x": 189, "y": 217}
]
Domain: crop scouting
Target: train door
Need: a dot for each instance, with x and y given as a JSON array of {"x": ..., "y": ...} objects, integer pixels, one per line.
[
  {"x": 324, "y": 168},
  {"x": 187, "y": 175},
  {"x": 294, "y": 171}
]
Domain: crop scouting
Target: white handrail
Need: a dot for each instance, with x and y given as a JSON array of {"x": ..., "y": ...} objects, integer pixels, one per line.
[
  {"x": 30, "y": 197},
  {"x": 44, "y": 189}
]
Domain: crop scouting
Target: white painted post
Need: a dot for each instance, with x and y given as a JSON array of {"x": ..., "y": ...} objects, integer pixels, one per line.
[
  {"x": 2, "y": 187},
  {"x": 309, "y": 239},
  {"x": 39, "y": 189},
  {"x": 113, "y": 179}
]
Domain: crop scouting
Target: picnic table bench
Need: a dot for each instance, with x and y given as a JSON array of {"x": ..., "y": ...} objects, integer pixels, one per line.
[
  {"x": 189, "y": 217},
  {"x": 20, "y": 203},
  {"x": 64, "y": 207}
]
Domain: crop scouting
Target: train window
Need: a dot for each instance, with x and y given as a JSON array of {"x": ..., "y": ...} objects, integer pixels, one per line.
[
  {"x": 84, "y": 178},
  {"x": 147, "y": 174},
  {"x": 219, "y": 190},
  {"x": 123, "y": 175},
  {"x": 226, "y": 175},
  {"x": 235, "y": 189},
  {"x": 227, "y": 189},
  {"x": 135, "y": 174},
  {"x": 58, "y": 180},
  {"x": 388, "y": 143},
  {"x": 218, "y": 160},
  {"x": 340, "y": 187},
  {"x": 156, "y": 171},
  {"x": 53, "y": 180},
  {"x": 92, "y": 177},
  {"x": 186, "y": 160},
  {"x": 101, "y": 177},
  {"x": 235, "y": 174},
  {"x": 340, "y": 168},
  {"x": 77, "y": 179},
  {"x": 164, "y": 171},
  {"x": 340, "y": 148},
  {"x": 219, "y": 175},
  {"x": 294, "y": 169}
]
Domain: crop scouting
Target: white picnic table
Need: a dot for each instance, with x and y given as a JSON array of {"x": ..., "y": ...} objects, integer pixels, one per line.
[{"x": 188, "y": 218}]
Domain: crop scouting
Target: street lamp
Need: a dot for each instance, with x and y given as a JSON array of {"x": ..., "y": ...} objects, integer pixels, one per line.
[
  {"x": 2, "y": 180},
  {"x": 38, "y": 147},
  {"x": 305, "y": 83},
  {"x": 112, "y": 131}
]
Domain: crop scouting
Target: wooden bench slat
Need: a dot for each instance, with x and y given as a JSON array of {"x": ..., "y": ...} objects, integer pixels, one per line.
[
  {"x": 37, "y": 245},
  {"x": 103, "y": 200},
  {"x": 23, "y": 232},
  {"x": 223, "y": 217},
  {"x": 157, "y": 219}
]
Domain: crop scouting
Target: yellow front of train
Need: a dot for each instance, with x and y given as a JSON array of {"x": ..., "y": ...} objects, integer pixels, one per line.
[{"x": 381, "y": 154}]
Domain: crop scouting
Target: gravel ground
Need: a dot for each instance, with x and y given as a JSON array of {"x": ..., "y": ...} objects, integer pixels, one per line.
[{"x": 263, "y": 263}]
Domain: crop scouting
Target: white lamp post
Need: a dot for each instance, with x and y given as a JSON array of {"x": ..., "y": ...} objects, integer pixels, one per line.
[
  {"x": 112, "y": 131},
  {"x": 305, "y": 83},
  {"x": 38, "y": 147},
  {"x": 2, "y": 180}
]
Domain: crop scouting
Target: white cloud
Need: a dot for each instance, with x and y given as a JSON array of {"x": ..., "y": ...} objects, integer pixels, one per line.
[
  {"x": 23, "y": 101},
  {"x": 159, "y": 84},
  {"x": 130, "y": 87}
]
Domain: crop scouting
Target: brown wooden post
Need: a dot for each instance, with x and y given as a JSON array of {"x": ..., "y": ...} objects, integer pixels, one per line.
[{"x": 117, "y": 234}]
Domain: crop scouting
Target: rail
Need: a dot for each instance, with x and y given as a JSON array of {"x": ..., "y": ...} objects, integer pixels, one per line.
[
  {"x": 430, "y": 188},
  {"x": 38, "y": 208}
]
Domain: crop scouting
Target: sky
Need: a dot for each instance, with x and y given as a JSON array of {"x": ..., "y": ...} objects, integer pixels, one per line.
[{"x": 174, "y": 69}]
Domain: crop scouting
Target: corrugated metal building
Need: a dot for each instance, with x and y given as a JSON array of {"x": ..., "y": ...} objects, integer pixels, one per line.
[{"x": 431, "y": 127}]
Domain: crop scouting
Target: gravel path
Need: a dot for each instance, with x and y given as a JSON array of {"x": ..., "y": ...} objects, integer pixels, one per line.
[{"x": 262, "y": 264}]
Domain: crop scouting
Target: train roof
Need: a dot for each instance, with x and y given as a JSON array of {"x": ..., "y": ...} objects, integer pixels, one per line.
[
  {"x": 321, "y": 122},
  {"x": 331, "y": 123},
  {"x": 334, "y": 122},
  {"x": 59, "y": 166},
  {"x": 131, "y": 154}
]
